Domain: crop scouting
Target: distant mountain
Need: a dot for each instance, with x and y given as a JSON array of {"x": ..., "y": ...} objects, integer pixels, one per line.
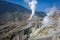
[
  {"x": 13, "y": 12},
  {"x": 41, "y": 14},
  {"x": 11, "y": 7}
]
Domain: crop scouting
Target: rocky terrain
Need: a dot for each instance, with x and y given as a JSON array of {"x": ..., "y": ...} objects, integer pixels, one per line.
[
  {"x": 50, "y": 29},
  {"x": 14, "y": 24}
]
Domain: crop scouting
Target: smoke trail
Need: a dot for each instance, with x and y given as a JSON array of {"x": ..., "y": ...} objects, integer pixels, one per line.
[
  {"x": 32, "y": 5},
  {"x": 52, "y": 11},
  {"x": 47, "y": 20}
]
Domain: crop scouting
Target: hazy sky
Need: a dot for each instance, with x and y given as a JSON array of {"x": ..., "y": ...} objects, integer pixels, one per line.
[{"x": 41, "y": 6}]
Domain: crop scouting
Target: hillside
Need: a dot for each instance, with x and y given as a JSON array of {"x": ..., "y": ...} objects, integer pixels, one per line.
[
  {"x": 13, "y": 20},
  {"x": 10, "y": 11}
]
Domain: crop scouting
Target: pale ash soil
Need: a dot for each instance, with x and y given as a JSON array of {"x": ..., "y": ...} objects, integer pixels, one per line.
[{"x": 19, "y": 30}]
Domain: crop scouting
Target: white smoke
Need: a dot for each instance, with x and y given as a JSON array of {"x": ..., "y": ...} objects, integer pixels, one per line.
[
  {"x": 32, "y": 5},
  {"x": 47, "y": 20},
  {"x": 52, "y": 11}
]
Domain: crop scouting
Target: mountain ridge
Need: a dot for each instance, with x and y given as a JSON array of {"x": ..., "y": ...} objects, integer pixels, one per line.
[{"x": 10, "y": 12}]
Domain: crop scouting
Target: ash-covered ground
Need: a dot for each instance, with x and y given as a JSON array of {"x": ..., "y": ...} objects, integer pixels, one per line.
[{"x": 14, "y": 23}]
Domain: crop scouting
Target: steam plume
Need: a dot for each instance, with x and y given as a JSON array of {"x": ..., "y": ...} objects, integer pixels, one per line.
[
  {"x": 32, "y": 5},
  {"x": 47, "y": 19}
]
